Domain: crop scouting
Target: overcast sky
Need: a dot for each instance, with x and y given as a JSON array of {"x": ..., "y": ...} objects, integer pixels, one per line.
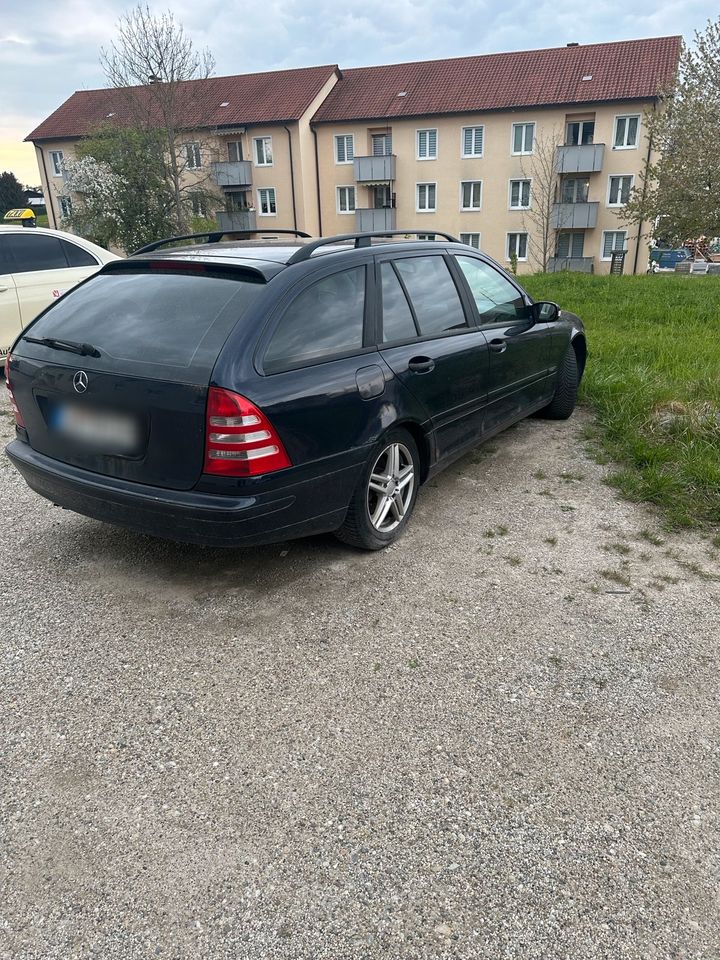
[{"x": 49, "y": 48}]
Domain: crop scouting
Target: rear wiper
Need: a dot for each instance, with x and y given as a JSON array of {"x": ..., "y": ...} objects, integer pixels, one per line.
[{"x": 84, "y": 349}]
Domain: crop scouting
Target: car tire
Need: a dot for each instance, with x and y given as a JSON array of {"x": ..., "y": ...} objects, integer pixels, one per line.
[
  {"x": 385, "y": 496},
  {"x": 566, "y": 389}
]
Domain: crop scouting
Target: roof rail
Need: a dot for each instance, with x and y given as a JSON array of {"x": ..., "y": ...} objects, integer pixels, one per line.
[
  {"x": 361, "y": 240},
  {"x": 214, "y": 236}
]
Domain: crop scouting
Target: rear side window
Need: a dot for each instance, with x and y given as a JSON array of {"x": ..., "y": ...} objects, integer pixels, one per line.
[
  {"x": 4, "y": 255},
  {"x": 323, "y": 321},
  {"x": 36, "y": 251},
  {"x": 76, "y": 256},
  {"x": 398, "y": 323},
  {"x": 168, "y": 319},
  {"x": 497, "y": 299},
  {"x": 433, "y": 294}
]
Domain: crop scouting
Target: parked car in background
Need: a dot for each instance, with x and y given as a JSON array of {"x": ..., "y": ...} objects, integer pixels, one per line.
[
  {"x": 237, "y": 393},
  {"x": 38, "y": 266}
]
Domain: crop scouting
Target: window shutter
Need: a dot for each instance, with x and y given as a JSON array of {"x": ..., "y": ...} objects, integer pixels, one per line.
[
  {"x": 469, "y": 141},
  {"x": 578, "y": 242},
  {"x": 479, "y": 131},
  {"x": 431, "y": 196},
  {"x": 526, "y": 193},
  {"x": 563, "y": 249},
  {"x": 432, "y": 143}
]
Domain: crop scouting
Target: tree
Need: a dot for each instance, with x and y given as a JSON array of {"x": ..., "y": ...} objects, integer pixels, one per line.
[
  {"x": 122, "y": 197},
  {"x": 11, "y": 193},
  {"x": 155, "y": 65},
  {"x": 678, "y": 196},
  {"x": 538, "y": 219}
]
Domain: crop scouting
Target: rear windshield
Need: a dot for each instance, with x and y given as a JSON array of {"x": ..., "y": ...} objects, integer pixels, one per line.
[{"x": 158, "y": 318}]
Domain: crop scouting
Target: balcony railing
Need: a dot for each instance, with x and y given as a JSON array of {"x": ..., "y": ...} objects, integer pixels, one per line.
[
  {"x": 238, "y": 220},
  {"x": 580, "y": 158},
  {"x": 370, "y": 219},
  {"x": 574, "y": 216},
  {"x": 374, "y": 169},
  {"x": 232, "y": 173},
  {"x": 573, "y": 264}
]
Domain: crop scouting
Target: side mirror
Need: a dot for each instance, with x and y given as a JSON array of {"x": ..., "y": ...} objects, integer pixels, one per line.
[{"x": 545, "y": 311}]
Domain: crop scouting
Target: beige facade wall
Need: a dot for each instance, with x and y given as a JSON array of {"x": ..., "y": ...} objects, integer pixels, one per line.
[{"x": 495, "y": 169}]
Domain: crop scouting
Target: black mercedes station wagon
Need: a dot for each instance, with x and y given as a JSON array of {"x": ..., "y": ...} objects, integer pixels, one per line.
[{"x": 251, "y": 391}]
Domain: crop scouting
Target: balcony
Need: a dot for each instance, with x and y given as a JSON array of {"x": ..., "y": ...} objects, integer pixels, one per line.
[
  {"x": 374, "y": 169},
  {"x": 238, "y": 220},
  {"x": 372, "y": 219},
  {"x": 237, "y": 173},
  {"x": 573, "y": 264},
  {"x": 574, "y": 216},
  {"x": 583, "y": 158}
]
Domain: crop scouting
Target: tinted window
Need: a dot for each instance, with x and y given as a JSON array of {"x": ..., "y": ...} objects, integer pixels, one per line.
[
  {"x": 36, "y": 251},
  {"x": 5, "y": 265},
  {"x": 497, "y": 299},
  {"x": 158, "y": 318},
  {"x": 398, "y": 323},
  {"x": 76, "y": 256},
  {"x": 324, "y": 320},
  {"x": 433, "y": 294}
]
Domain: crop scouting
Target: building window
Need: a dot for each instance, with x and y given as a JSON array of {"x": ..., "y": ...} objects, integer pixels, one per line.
[
  {"x": 470, "y": 194},
  {"x": 344, "y": 149},
  {"x": 619, "y": 191},
  {"x": 523, "y": 138},
  {"x": 381, "y": 144},
  {"x": 346, "y": 199},
  {"x": 198, "y": 204},
  {"x": 426, "y": 141},
  {"x": 65, "y": 207},
  {"x": 263, "y": 151},
  {"x": 471, "y": 239},
  {"x": 517, "y": 244},
  {"x": 56, "y": 159},
  {"x": 574, "y": 190},
  {"x": 626, "y": 132},
  {"x": 473, "y": 139},
  {"x": 426, "y": 197},
  {"x": 570, "y": 244},
  {"x": 235, "y": 151},
  {"x": 579, "y": 132},
  {"x": 427, "y": 236},
  {"x": 519, "y": 194},
  {"x": 193, "y": 158},
  {"x": 613, "y": 241},
  {"x": 266, "y": 202}
]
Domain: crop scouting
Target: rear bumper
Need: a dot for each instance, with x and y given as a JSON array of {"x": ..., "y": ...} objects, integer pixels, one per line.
[{"x": 312, "y": 505}]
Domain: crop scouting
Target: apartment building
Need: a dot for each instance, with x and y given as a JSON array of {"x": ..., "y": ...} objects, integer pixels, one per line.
[
  {"x": 528, "y": 155},
  {"x": 248, "y": 140}
]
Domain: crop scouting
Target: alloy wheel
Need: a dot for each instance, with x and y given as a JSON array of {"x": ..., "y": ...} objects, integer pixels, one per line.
[{"x": 391, "y": 487}]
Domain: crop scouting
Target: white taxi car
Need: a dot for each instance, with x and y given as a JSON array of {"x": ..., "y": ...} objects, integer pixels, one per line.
[{"x": 36, "y": 267}]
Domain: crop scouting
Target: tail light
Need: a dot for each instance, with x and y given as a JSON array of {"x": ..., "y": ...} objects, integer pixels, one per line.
[
  {"x": 16, "y": 410},
  {"x": 240, "y": 441}
]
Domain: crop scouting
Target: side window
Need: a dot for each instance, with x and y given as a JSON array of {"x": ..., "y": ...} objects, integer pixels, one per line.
[
  {"x": 398, "y": 322},
  {"x": 37, "y": 251},
  {"x": 76, "y": 256},
  {"x": 433, "y": 294},
  {"x": 497, "y": 299},
  {"x": 5, "y": 261},
  {"x": 325, "y": 320}
]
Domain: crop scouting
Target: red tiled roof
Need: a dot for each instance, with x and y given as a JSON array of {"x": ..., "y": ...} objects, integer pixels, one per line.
[
  {"x": 627, "y": 70},
  {"x": 253, "y": 98}
]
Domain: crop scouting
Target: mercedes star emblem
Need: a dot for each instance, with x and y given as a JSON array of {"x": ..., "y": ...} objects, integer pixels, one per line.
[{"x": 80, "y": 381}]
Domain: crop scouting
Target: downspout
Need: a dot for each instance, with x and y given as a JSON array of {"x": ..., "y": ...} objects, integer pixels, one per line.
[
  {"x": 292, "y": 177},
  {"x": 49, "y": 196},
  {"x": 317, "y": 179},
  {"x": 640, "y": 224}
]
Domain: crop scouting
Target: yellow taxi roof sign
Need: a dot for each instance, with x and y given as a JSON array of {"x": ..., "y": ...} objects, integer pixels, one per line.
[{"x": 20, "y": 213}]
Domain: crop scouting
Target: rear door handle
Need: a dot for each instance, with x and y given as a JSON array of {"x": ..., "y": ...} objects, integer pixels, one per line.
[
  {"x": 498, "y": 346},
  {"x": 421, "y": 365}
]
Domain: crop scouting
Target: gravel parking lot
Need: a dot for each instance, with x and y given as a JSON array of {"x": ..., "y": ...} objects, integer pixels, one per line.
[{"x": 497, "y": 739}]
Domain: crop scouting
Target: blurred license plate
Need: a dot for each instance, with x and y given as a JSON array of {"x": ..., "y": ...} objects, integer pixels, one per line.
[{"x": 100, "y": 431}]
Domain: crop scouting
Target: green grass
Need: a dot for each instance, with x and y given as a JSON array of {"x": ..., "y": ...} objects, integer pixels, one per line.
[{"x": 653, "y": 378}]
